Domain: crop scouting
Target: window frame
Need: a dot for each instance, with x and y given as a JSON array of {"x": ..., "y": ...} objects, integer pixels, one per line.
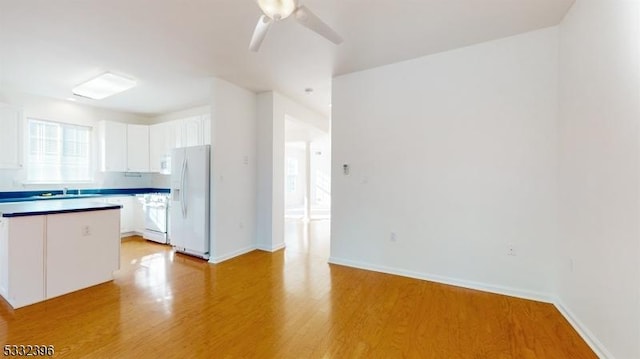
[{"x": 27, "y": 151}]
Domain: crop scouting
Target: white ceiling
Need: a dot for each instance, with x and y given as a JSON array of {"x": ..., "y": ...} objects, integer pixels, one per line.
[
  {"x": 173, "y": 47},
  {"x": 300, "y": 131}
]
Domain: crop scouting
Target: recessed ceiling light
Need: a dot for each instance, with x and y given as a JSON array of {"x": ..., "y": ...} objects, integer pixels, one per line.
[{"x": 103, "y": 86}]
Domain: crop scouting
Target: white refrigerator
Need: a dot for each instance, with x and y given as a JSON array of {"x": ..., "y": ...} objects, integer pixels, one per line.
[{"x": 189, "y": 200}]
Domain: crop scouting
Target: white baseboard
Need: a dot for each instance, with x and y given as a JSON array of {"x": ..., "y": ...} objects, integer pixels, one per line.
[
  {"x": 236, "y": 253},
  {"x": 271, "y": 248},
  {"x": 129, "y": 234},
  {"x": 591, "y": 340},
  {"x": 512, "y": 292}
]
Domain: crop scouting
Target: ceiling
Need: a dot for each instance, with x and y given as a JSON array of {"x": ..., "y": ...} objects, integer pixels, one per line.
[
  {"x": 301, "y": 132},
  {"x": 174, "y": 47}
]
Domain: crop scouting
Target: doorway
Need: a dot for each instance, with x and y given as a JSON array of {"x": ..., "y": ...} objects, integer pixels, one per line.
[{"x": 307, "y": 189}]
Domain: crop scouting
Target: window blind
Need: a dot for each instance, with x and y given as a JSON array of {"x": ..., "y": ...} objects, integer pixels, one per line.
[{"x": 58, "y": 152}]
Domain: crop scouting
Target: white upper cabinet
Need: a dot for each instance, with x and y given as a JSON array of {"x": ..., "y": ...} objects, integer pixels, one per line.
[
  {"x": 206, "y": 127},
  {"x": 192, "y": 131},
  {"x": 163, "y": 137},
  {"x": 137, "y": 148},
  {"x": 123, "y": 147},
  {"x": 113, "y": 146},
  {"x": 158, "y": 144},
  {"x": 10, "y": 137}
]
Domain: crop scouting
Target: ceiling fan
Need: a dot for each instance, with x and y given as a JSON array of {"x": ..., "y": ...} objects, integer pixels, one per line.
[{"x": 277, "y": 10}]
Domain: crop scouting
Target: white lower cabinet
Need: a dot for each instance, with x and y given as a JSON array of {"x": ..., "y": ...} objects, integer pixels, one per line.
[
  {"x": 126, "y": 212},
  {"x": 131, "y": 213},
  {"x": 45, "y": 256},
  {"x": 137, "y": 214},
  {"x": 22, "y": 259}
]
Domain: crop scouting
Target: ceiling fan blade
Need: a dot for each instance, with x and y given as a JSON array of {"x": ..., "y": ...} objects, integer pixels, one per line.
[
  {"x": 262, "y": 27},
  {"x": 309, "y": 20}
]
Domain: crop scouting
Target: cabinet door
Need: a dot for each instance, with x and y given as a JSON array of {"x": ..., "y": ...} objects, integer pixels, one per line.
[
  {"x": 113, "y": 146},
  {"x": 137, "y": 148},
  {"x": 192, "y": 128},
  {"x": 175, "y": 136},
  {"x": 126, "y": 212},
  {"x": 206, "y": 129},
  {"x": 83, "y": 249},
  {"x": 137, "y": 214},
  {"x": 10, "y": 137},
  {"x": 158, "y": 143}
]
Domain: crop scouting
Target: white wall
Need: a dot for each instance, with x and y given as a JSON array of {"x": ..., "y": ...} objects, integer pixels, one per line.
[
  {"x": 267, "y": 129},
  {"x": 599, "y": 271},
  {"x": 456, "y": 154},
  {"x": 68, "y": 112},
  {"x": 273, "y": 108},
  {"x": 233, "y": 170}
]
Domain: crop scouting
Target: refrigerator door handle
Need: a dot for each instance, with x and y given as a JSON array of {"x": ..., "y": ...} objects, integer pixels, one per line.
[
  {"x": 182, "y": 181},
  {"x": 185, "y": 188}
]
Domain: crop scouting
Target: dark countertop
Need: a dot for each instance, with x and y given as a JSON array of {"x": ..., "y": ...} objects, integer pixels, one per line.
[
  {"x": 30, "y": 196},
  {"x": 39, "y": 208}
]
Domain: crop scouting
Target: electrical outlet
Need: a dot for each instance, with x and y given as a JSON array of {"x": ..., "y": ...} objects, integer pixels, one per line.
[
  {"x": 86, "y": 231},
  {"x": 393, "y": 237},
  {"x": 511, "y": 250}
]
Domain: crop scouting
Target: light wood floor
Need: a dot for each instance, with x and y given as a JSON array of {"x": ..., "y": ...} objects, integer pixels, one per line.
[{"x": 289, "y": 304}]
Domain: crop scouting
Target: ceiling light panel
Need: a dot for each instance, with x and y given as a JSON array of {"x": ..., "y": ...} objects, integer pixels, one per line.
[{"x": 103, "y": 86}]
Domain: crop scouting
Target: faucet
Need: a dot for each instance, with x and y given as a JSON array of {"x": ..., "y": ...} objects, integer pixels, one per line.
[{"x": 65, "y": 190}]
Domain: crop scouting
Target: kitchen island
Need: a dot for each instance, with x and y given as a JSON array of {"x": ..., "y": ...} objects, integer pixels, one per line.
[{"x": 50, "y": 248}]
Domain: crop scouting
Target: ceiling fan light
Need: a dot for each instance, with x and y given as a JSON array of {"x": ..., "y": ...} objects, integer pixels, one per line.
[{"x": 277, "y": 9}]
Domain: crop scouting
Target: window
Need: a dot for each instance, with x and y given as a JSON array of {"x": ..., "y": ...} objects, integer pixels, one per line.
[
  {"x": 292, "y": 174},
  {"x": 58, "y": 152}
]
